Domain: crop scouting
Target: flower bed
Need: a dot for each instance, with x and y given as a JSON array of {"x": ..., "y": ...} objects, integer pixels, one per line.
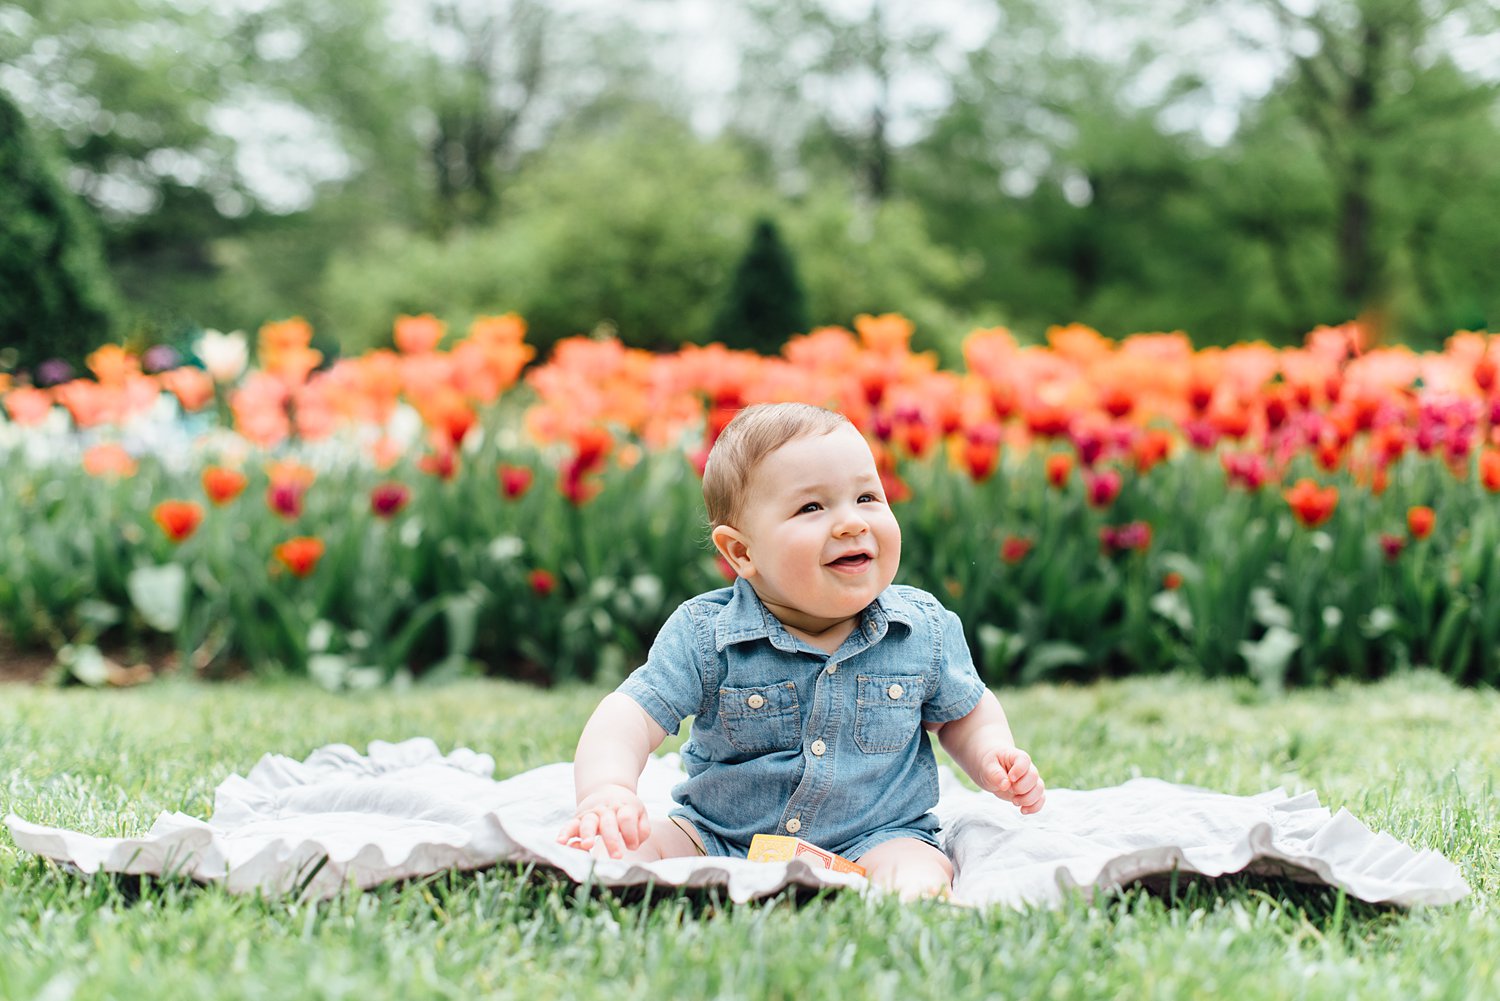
[{"x": 1088, "y": 507}]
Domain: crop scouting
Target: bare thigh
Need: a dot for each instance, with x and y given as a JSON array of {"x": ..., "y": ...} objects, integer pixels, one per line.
[
  {"x": 667, "y": 840},
  {"x": 911, "y": 867}
]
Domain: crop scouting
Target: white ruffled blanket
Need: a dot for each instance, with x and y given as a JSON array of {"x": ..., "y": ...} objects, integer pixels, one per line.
[{"x": 407, "y": 810}]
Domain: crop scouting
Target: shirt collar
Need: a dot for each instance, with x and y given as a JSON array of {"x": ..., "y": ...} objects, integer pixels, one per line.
[{"x": 747, "y": 618}]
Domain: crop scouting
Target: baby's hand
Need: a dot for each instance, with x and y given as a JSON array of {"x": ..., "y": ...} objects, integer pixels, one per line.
[
  {"x": 614, "y": 816},
  {"x": 1009, "y": 774}
]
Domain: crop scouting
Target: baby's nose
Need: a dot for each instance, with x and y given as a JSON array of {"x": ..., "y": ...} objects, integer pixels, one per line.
[{"x": 851, "y": 524}]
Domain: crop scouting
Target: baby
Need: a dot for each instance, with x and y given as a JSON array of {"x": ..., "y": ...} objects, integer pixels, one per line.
[{"x": 810, "y": 682}]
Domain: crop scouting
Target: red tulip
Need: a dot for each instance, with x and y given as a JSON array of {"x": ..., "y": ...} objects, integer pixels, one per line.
[
  {"x": 1489, "y": 470},
  {"x": 1131, "y": 535},
  {"x": 1014, "y": 548},
  {"x": 285, "y": 498},
  {"x": 542, "y": 582},
  {"x": 387, "y": 499},
  {"x": 1392, "y": 545},
  {"x": 300, "y": 555},
  {"x": 1420, "y": 521},
  {"x": 514, "y": 480},
  {"x": 177, "y": 519},
  {"x": 1103, "y": 487},
  {"x": 1311, "y": 504}
]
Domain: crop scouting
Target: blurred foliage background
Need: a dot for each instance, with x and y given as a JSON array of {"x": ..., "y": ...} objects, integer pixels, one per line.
[{"x": 1234, "y": 168}]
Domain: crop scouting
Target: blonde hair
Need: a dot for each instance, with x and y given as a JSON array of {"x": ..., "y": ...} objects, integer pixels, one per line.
[{"x": 755, "y": 433}]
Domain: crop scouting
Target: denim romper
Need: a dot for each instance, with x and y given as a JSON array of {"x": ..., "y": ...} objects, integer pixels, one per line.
[{"x": 788, "y": 739}]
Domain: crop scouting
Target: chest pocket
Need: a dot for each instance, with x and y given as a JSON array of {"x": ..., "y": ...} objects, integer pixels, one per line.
[
  {"x": 888, "y": 712},
  {"x": 762, "y": 719}
]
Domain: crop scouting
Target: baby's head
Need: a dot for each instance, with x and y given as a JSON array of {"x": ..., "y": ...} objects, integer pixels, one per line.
[
  {"x": 796, "y": 506},
  {"x": 753, "y": 434}
]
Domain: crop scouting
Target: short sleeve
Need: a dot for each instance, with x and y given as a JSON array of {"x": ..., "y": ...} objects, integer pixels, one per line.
[
  {"x": 669, "y": 686},
  {"x": 958, "y": 688}
]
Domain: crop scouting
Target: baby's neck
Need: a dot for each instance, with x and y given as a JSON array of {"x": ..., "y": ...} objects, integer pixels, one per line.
[
  {"x": 825, "y": 634},
  {"x": 829, "y": 639}
]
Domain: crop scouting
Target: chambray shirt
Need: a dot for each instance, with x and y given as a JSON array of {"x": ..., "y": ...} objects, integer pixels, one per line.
[{"x": 789, "y": 739}]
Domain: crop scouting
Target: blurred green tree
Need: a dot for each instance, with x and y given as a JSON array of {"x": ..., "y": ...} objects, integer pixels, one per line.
[
  {"x": 1406, "y": 142},
  {"x": 596, "y": 233},
  {"x": 765, "y": 303},
  {"x": 56, "y": 300},
  {"x": 830, "y": 87}
]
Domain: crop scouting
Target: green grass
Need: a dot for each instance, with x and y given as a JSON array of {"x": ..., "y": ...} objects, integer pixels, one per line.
[{"x": 1412, "y": 756}]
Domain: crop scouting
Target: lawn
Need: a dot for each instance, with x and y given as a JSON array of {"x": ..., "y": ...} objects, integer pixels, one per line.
[{"x": 1412, "y": 756}]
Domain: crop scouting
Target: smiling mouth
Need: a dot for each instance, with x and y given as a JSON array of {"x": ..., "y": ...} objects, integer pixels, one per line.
[{"x": 852, "y": 562}]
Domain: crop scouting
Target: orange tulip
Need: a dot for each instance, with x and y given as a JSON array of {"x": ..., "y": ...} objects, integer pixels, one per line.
[
  {"x": 108, "y": 460},
  {"x": 1059, "y": 468},
  {"x": 418, "y": 334},
  {"x": 1311, "y": 504},
  {"x": 27, "y": 406},
  {"x": 1489, "y": 470},
  {"x": 177, "y": 519},
  {"x": 300, "y": 555},
  {"x": 223, "y": 485},
  {"x": 443, "y": 464},
  {"x": 193, "y": 387},
  {"x": 887, "y": 334},
  {"x": 1420, "y": 521},
  {"x": 112, "y": 365},
  {"x": 1149, "y": 448},
  {"x": 289, "y": 471}
]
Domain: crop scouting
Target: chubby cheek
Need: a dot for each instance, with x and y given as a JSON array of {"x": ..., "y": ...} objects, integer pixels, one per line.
[{"x": 890, "y": 546}]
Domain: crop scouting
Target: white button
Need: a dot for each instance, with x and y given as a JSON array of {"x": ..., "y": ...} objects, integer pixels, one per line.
[
  {"x": 895, "y": 691},
  {"x": 756, "y": 701},
  {"x": 833, "y": 669},
  {"x": 818, "y": 747},
  {"x": 793, "y": 826}
]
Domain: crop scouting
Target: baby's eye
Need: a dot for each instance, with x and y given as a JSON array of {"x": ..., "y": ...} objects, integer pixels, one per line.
[
  {"x": 868, "y": 498},
  {"x": 810, "y": 506}
]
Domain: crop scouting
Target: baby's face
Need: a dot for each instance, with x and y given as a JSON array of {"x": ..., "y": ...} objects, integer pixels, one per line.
[{"x": 820, "y": 538}]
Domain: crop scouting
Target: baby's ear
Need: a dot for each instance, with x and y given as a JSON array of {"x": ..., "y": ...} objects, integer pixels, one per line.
[{"x": 735, "y": 549}]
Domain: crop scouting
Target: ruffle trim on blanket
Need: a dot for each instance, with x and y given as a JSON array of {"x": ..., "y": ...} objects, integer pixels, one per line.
[{"x": 407, "y": 810}]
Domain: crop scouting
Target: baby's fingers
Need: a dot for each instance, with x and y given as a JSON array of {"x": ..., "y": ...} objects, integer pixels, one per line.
[
  {"x": 588, "y": 829},
  {"x": 628, "y": 819},
  {"x": 569, "y": 831},
  {"x": 1020, "y": 764},
  {"x": 1031, "y": 801},
  {"x": 609, "y": 833}
]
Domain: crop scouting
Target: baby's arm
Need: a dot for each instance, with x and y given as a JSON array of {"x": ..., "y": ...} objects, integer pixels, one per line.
[
  {"x": 982, "y": 744},
  {"x": 612, "y": 752}
]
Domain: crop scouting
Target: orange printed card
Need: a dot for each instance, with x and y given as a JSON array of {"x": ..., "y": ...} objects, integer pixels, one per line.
[{"x": 780, "y": 848}]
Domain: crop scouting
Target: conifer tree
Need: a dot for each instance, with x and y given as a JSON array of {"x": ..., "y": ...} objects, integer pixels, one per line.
[
  {"x": 56, "y": 297},
  {"x": 765, "y": 304}
]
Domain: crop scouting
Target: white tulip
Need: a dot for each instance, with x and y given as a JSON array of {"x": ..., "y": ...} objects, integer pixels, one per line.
[{"x": 224, "y": 355}]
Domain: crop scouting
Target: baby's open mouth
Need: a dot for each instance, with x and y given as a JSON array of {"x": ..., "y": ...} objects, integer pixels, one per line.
[{"x": 854, "y": 561}]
